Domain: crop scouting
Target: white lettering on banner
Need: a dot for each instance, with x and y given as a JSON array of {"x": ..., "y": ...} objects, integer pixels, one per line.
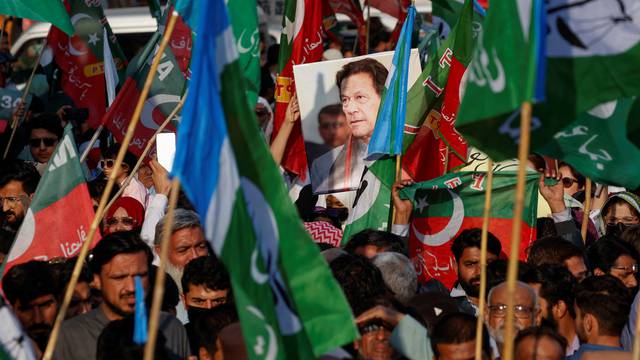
[
  {"x": 603, "y": 154},
  {"x": 253, "y": 45},
  {"x": 428, "y": 82},
  {"x": 480, "y": 73},
  {"x": 258, "y": 348},
  {"x": 514, "y": 132},
  {"x": 65, "y": 151},
  {"x": 446, "y": 58},
  {"x": 8, "y": 102},
  {"x": 427, "y": 261},
  {"x": 576, "y": 131},
  {"x": 478, "y": 179}
]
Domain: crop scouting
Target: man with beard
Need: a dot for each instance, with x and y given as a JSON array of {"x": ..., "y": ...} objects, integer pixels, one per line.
[
  {"x": 18, "y": 183},
  {"x": 30, "y": 289},
  {"x": 116, "y": 261},
  {"x": 555, "y": 287},
  {"x": 525, "y": 310},
  {"x": 466, "y": 251},
  {"x": 602, "y": 309}
]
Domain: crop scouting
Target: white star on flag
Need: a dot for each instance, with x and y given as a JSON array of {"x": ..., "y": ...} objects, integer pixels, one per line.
[
  {"x": 422, "y": 203},
  {"x": 93, "y": 39}
]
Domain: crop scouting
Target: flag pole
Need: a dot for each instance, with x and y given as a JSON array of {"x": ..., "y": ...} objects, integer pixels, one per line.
[
  {"x": 158, "y": 289},
  {"x": 512, "y": 270},
  {"x": 483, "y": 259},
  {"x": 636, "y": 339},
  {"x": 105, "y": 194},
  {"x": 586, "y": 210},
  {"x": 398, "y": 178},
  {"x": 144, "y": 154},
  {"x": 16, "y": 121},
  {"x": 94, "y": 138}
]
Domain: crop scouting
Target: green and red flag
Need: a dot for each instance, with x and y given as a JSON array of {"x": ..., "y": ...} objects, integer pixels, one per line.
[
  {"x": 588, "y": 63},
  {"x": 445, "y": 206},
  {"x": 51, "y": 11},
  {"x": 165, "y": 93},
  {"x": 81, "y": 57},
  {"x": 432, "y": 144},
  {"x": 300, "y": 43},
  {"x": 596, "y": 144},
  {"x": 61, "y": 211}
]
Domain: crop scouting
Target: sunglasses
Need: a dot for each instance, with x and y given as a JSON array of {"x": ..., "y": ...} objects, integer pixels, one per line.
[
  {"x": 37, "y": 142},
  {"x": 128, "y": 221},
  {"x": 568, "y": 182},
  {"x": 107, "y": 163}
]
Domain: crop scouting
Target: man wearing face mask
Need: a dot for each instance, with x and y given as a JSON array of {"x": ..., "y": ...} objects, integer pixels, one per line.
[{"x": 206, "y": 285}]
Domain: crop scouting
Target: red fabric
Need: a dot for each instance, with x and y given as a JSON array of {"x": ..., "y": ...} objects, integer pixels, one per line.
[
  {"x": 132, "y": 206},
  {"x": 324, "y": 233}
]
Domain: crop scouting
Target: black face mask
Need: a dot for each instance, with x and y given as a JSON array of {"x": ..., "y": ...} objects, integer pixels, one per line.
[
  {"x": 196, "y": 313},
  {"x": 616, "y": 230}
]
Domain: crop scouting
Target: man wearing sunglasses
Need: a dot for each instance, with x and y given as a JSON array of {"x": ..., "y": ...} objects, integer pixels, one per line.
[
  {"x": 18, "y": 182},
  {"x": 44, "y": 132}
]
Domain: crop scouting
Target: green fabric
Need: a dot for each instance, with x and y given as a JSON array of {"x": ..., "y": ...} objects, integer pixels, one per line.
[
  {"x": 51, "y": 11},
  {"x": 243, "y": 16}
]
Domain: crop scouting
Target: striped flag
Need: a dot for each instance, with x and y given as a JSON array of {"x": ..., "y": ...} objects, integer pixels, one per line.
[
  {"x": 387, "y": 135},
  {"x": 290, "y": 307}
]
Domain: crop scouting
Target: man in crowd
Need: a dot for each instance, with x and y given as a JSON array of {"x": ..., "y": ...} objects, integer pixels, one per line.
[
  {"x": 555, "y": 287},
  {"x": 454, "y": 337},
  {"x": 554, "y": 250},
  {"x": 116, "y": 261},
  {"x": 602, "y": 310},
  {"x": 30, "y": 289},
  {"x": 361, "y": 84},
  {"x": 370, "y": 242},
  {"x": 526, "y": 310},
  {"x": 466, "y": 251},
  {"x": 18, "y": 183},
  {"x": 539, "y": 342},
  {"x": 44, "y": 132}
]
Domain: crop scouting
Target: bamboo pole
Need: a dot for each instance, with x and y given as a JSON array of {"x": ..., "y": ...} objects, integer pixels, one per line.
[
  {"x": 158, "y": 289},
  {"x": 94, "y": 138},
  {"x": 483, "y": 258},
  {"x": 512, "y": 270},
  {"x": 16, "y": 121},
  {"x": 144, "y": 154},
  {"x": 398, "y": 178},
  {"x": 636, "y": 338},
  {"x": 105, "y": 194},
  {"x": 586, "y": 210}
]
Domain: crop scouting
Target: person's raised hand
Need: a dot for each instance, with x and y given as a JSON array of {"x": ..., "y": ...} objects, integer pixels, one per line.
[
  {"x": 553, "y": 194},
  {"x": 403, "y": 207},
  {"x": 160, "y": 177},
  {"x": 293, "y": 110},
  {"x": 384, "y": 313}
]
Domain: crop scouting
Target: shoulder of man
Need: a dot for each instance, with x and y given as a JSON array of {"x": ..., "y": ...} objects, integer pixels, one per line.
[
  {"x": 175, "y": 335},
  {"x": 78, "y": 332}
]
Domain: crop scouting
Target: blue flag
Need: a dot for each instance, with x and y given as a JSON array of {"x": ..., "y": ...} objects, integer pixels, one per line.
[
  {"x": 387, "y": 135},
  {"x": 140, "y": 321}
]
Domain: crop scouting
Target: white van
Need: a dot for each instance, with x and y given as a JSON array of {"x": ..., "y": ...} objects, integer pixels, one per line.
[{"x": 132, "y": 26}]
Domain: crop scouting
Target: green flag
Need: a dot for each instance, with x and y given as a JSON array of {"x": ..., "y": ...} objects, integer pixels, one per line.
[
  {"x": 51, "y": 11},
  {"x": 289, "y": 304},
  {"x": 243, "y": 16},
  {"x": 590, "y": 59},
  {"x": 596, "y": 145}
]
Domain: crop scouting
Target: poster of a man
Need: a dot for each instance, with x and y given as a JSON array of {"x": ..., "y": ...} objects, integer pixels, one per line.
[{"x": 358, "y": 84}]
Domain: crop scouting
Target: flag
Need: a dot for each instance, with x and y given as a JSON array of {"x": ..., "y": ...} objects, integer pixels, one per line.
[
  {"x": 15, "y": 344},
  {"x": 579, "y": 53},
  {"x": 58, "y": 219},
  {"x": 42, "y": 10},
  {"x": 353, "y": 10},
  {"x": 395, "y": 8},
  {"x": 387, "y": 134},
  {"x": 432, "y": 144},
  {"x": 445, "y": 206},
  {"x": 9, "y": 101},
  {"x": 243, "y": 15},
  {"x": 140, "y": 317},
  {"x": 288, "y": 302},
  {"x": 165, "y": 92},
  {"x": 596, "y": 144},
  {"x": 80, "y": 57},
  {"x": 445, "y": 14},
  {"x": 300, "y": 43}
]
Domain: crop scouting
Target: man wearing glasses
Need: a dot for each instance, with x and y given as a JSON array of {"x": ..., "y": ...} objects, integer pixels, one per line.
[
  {"x": 526, "y": 310},
  {"x": 18, "y": 182},
  {"x": 44, "y": 132}
]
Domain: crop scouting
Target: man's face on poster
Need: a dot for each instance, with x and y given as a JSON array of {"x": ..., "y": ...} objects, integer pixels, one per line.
[
  {"x": 334, "y": 130},
  {"x": 360, "y": 103}
]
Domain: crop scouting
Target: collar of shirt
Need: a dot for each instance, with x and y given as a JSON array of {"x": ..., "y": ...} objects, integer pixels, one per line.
[{"x": 458, "y": 291}]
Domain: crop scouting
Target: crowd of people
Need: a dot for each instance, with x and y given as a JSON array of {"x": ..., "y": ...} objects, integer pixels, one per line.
[{"x": 576, "y": 297}]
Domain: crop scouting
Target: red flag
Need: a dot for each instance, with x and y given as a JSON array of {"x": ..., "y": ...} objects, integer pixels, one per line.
[
  {"x": 352, "y": 9},
  {"x": 301, "y": 42}
]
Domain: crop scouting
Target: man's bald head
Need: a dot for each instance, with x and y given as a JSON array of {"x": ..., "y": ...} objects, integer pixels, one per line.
[
  {"x": 524, "y": 294},
  {"x": 526, "y": 308}
]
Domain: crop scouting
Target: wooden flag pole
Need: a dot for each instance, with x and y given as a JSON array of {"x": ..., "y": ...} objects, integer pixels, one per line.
[
  {"x": 105, "y": 194},
  {"x": 636, "y": 339},
  {"x": 144, "y": 154},
  {"x": 16, "y": 121},
  {"x": 586, "y": 210},
  {"x": 94, "y": 138},
  {"x": 398, "y": 178},
  {"x": 158, "y": 289},
  {"x": 483, "y": 258},
  {"x": 512, "y": 270}
]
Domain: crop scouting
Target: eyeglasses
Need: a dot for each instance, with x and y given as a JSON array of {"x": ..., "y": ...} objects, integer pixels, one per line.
[
  {"x": 107, "y": 163},
  {"x": 11, "y": 200},
  {"x": 520, "y": 311},
  {"x": 48, "y": 142},
  {"x": 127, "y": 220},
  {"x": 568, "y": 182},
  {"x": 633, "y": 269},
  {"x": 331, "y": 125},
  {"x": 376, "y": 325}
]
